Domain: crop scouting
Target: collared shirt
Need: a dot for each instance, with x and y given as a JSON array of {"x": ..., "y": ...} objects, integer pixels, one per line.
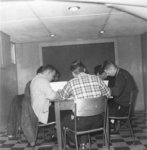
[
  {"x": 85, "y": 86},
  {"x": 41, "y": 93}
]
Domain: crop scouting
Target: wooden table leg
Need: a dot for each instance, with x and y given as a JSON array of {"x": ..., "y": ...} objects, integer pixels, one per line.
[{"x": 58, "y": 124}]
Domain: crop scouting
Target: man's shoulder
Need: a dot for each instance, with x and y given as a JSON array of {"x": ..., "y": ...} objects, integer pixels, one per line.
[
  {"x": 83, "y": 76},
  {"x": 123, "y": 71},
  {"x": 39, "y": 79},
  {"x": 89, "y": 75},
  {"x": 127, "y": 75}
]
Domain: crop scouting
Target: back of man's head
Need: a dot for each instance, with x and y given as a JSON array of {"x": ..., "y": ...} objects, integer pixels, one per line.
[
  {"x": 98, "y": 69},
  {"x": 47, "y": 68},
  {"x": 77, "y": 67},
  {"x": 107, "y": 64},
  {"x": 39, "y": 70},
  {"x": 110, "y": 68}
]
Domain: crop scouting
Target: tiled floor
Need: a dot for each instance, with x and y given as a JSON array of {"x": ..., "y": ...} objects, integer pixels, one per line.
[{"x": 121, "y": 141}]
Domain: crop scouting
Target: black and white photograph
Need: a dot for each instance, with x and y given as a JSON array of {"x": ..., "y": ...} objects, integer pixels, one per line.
[{"x": 73, "y": 74}]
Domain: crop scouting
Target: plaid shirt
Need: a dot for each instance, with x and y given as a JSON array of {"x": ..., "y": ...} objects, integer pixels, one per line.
[{"x": 85, "y": 86}]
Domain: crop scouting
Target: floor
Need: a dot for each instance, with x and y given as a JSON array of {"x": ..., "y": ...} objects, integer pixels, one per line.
[{"x": 121, "y": 141}]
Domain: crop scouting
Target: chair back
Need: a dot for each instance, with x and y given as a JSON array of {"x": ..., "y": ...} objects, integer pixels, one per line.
[{"x": 90, "y": 106}]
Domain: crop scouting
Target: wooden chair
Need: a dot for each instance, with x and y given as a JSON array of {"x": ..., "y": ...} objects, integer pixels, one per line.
[
  {"x": 126, "y": 116},
  {"x": 44, "y": 126},
  {"x": 84, "y": 108}
]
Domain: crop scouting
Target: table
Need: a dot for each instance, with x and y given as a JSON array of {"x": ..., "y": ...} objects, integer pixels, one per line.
[{"x": 61, "y": 105}]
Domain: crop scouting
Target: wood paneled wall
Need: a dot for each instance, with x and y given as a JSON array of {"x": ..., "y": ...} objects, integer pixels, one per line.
[{"x": 8, "y": 80}]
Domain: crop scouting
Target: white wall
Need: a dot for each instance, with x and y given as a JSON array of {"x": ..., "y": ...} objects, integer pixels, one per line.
[
  {"x": 130, "y": 58},
  {"x": 144, "y": 60},
  {"x": 28, "y": 60}
]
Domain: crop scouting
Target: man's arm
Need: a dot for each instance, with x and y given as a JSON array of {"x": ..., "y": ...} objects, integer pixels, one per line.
[
  {"x": 48, "y": 91},
  {"x": 105, "y": 90},
  {"x": 119, "y": 86}
]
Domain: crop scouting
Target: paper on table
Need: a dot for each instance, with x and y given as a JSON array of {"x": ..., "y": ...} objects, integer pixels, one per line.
[
  {"x": 106, "y": 82},
  {"x": 58, "y": 85}
]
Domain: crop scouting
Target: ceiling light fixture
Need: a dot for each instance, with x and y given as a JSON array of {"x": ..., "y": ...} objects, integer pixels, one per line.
[
  {"x": 52, "y": 35},
  {"x": 102, "y": 31},
  {"x": 41, "y": 21},
  {"x": 74, "y": 8}
]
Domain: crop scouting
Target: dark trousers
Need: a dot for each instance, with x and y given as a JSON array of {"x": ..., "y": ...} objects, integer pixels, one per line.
[
  {"x": 83, "y": 123},
  {"x": 116, "y": 109}
]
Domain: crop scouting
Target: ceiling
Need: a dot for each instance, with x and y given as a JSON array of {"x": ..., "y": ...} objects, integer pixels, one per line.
[{"x": 40, "y": 20}]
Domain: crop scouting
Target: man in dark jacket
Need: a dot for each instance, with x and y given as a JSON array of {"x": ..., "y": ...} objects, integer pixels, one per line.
[{"x": 124, "y": 84}]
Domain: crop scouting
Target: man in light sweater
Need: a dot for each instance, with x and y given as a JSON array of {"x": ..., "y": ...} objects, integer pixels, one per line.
[{"x": 42, "y": 93}]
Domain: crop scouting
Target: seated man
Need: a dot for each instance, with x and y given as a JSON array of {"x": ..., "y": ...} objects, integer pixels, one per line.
[
  {"x": 29, "y": 119},
  {"x": 83, "y": 86},
  {"x": 42, "y": 93},
  {"x": 123, "y": 85}
]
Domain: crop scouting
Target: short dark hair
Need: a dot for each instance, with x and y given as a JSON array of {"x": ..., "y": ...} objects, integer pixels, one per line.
[
  {"x": 39, "y": 70},
  {"x": 77, "y": 67},
  {"x": 48, "y": 67},
  {"x": 98, "y": 69},
  {"x": 107, "y": 64}
]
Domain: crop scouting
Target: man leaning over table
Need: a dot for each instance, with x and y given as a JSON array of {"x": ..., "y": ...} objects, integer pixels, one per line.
[
  {"x": 83, "y": 86},
  {"x": 42, "y": 93}
]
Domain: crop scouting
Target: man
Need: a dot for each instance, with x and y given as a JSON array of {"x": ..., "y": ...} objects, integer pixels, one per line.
[
  {"x": 83, "y": 86},
  {"x": 123, "y": 85},
  {"x": 42, "y": 93}
]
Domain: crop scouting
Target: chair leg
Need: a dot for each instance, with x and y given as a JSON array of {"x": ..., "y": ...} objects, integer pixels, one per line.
[
  {"x": 108, "y": 131},
  {"x": 64, "y": 141},
  {"x": 106, "y": 140},
  {"x": 131, "y": 130},
  {"x": 103, "y": 138},
  {"x": 89, "y": 141},
  {"x": 18, "y": 134},
  {"x": 43, "y": 132},
  {"x": 76, "y": 141}
]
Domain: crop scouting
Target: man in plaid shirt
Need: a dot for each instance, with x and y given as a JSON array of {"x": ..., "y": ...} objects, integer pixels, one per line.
[{"x": 83, "y": 86}]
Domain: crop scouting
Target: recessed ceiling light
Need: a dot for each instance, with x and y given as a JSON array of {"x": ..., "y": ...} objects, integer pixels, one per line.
[
  {"x": 74, "y": 8},
  {"x": 52, "y": 35},
  {"x": 102, "y": 31}
]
